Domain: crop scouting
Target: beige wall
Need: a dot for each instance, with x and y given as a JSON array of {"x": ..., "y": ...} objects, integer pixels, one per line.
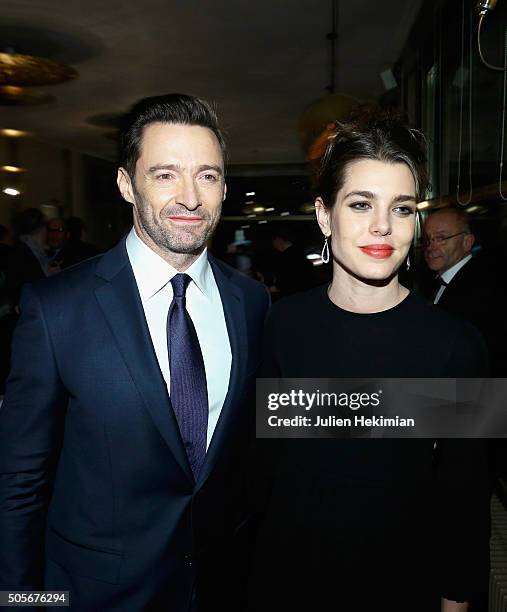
[{"x": 52, "y": 180}]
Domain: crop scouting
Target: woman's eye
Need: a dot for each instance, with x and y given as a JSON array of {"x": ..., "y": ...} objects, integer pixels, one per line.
[
  {"x": 360, "y": 205},
  {"x": 404, "y": 211}
]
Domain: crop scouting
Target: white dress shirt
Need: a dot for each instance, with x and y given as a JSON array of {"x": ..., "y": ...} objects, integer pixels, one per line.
[
  {"x": 449, "y": 274},
  {"x": 204, "y": 305}
]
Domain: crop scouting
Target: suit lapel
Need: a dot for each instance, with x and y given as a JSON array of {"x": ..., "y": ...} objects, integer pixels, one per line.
[
  {"x": 234, "y": 311},
  {"x": 121, "y": 305}
]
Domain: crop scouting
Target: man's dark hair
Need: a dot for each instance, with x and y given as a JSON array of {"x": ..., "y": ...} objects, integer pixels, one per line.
[
  {"x": 171, "y": 108},
  {"x": 28, "y": 221},
  {"x": 376, "y": 135}
]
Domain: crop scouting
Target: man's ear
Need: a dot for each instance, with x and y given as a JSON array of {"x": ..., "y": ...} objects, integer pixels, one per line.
[
  {"x": 469, "y": 240},
  {"x": 125, "y": 185},
  {"x": 322, "y": 214}
]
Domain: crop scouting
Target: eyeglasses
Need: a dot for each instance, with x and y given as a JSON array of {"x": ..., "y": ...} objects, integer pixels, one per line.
[{"x": 439, "y": 239}]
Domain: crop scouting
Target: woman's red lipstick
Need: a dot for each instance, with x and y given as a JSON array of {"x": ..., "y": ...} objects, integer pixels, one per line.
[{"x": 378, "y": 251}]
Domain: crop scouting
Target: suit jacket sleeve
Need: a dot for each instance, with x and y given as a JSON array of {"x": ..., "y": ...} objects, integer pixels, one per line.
[{"x": 31, "y": 431}]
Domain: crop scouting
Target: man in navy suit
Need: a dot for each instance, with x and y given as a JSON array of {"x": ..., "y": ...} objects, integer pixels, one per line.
[{"x": 128, "y": 409}]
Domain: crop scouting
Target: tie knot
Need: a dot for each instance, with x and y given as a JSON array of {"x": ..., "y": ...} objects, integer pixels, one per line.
[{"x": 180, "y": 284}]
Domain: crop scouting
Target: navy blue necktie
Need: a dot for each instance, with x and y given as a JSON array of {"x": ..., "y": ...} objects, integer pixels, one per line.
[{"x": 189, "y": 395}]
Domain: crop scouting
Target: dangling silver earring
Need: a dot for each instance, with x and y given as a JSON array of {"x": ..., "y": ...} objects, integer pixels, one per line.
[
  {"x": 408, "y": 262},
  {"x": 325, "y": 251}
]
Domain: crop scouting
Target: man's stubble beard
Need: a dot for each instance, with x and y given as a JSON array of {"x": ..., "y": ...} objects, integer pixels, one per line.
[{"x": 162, "y": 236}]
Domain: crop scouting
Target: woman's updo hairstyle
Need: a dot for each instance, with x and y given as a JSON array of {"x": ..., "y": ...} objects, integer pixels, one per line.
[{"x": 375, "y": 134}]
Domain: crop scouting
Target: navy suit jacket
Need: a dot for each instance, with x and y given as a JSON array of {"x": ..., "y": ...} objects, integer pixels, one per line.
[{"x": 96, "y": 494}]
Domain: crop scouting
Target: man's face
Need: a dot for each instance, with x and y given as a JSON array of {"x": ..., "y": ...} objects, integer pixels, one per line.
[
  {"x": 178, "y": 187},
  {"x": 56, "y": 234},
  {"x": 440, "y": 255}
]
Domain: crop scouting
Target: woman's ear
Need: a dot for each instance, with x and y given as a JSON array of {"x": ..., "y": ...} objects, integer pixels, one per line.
[{"x": 323, "y": 217}]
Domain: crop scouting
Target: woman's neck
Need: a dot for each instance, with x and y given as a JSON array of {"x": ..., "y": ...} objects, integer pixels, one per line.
[{"x": 357, "y": 295}]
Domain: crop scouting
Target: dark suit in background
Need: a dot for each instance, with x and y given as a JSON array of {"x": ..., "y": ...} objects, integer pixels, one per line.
[{"x": 475, "y": 294}]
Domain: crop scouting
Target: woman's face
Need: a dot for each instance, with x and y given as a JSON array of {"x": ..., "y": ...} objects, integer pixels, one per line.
[{"x": 371, "y": 224}]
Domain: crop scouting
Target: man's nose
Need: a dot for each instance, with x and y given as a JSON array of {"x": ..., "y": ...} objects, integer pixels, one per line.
[{"x": 189, "y": 194}]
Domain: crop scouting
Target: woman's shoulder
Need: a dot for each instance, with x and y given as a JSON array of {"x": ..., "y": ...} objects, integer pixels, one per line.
[{"x": 301, "y": 302}]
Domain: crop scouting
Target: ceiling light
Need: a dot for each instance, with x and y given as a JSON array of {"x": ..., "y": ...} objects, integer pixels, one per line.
[
  {"x": 284, "y": 214},
  {"x": 262, "y": 222},
  {"x": 245, "y": 226},
  {"x": 11, "y": 191},
  {"x": 28, "y": 70},
  {"x": 13, "y": 133},
  {"x": 270, "y": 209},
  {"x": 313, "y": 256},
  {"x": 250, "y": 193},
  {"x": 251, "y": 216},
  {"x": 423, "y": 205},
  {"x": 12, "y": 169},
  {"x": 258, "y": 209}
]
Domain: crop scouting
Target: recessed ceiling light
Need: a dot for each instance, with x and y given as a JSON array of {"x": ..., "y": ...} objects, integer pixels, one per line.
[
  {"x": 13, "y": 133},
  {"x": 12, "y": 169},
  {"x": 10, "y": 191},
  {"x": 250, "y": 193}
]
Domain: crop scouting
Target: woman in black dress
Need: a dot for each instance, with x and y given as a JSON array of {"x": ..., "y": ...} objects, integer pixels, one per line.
[{"x": 370, "y": 524}]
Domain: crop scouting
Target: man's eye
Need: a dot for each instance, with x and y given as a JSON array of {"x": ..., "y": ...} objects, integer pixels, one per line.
[
  {"x": 164, "y": 177},
  {"x": 211, "y": 178},
  {"x": 360, "y": 206}
]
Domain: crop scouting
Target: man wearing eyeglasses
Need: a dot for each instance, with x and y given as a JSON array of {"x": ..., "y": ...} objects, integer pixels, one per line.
[
  {"x": 467, "y": 286},
  {"x": 447, "y": 244}
]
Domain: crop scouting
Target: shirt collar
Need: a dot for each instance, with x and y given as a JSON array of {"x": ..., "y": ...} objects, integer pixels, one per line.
[
  {"x": 449, "y": 274},
  {"x": 152, "y": 273}
]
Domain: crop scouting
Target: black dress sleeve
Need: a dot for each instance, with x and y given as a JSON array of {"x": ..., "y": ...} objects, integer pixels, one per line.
[{"x": 464, "y": 490}]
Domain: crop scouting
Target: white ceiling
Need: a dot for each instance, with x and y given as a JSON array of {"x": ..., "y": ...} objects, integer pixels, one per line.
[{"x": 261, "y": 62}]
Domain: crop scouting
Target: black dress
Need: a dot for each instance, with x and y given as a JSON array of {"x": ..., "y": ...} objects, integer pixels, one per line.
[{"x": 360, "y": 525}]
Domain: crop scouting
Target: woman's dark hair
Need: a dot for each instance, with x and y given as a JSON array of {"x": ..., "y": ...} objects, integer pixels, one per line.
[
  {"x": 377, "y": 135},
  {"x": 171, "y": 108}
]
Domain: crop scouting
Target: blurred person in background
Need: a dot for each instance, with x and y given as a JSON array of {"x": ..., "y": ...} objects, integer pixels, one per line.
[
  {"x": 75, "y": 248},
  {"x": 466, "y": 284},
  {"x": 293, "y": 272},
  {"x": 28, "y": 260}
]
